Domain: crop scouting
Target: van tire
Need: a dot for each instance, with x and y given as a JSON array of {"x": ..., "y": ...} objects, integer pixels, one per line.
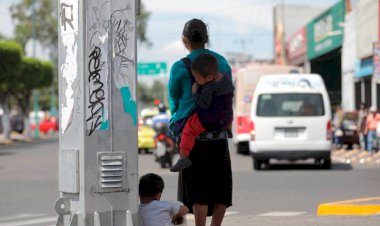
[{"x": 326, "y": 164}]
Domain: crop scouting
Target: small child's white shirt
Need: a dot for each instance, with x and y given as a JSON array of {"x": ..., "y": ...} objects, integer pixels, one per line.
[{"x": 158, "y": 213}]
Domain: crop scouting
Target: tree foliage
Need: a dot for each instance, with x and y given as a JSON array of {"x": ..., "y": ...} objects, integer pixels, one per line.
[
  {"x": 10, "y": 67},
  {"x": 34, "y": 74},
  {"x": 142, "y": 25},
  {"x": 46, "y": 25},
  {"x": 146, "y": 95}
]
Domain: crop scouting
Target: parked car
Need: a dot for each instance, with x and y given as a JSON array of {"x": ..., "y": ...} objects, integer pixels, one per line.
[
  {"x": 145, "y": 138},
  {"x": 48, "y": 125},
  {"x": 350, "y": 129}
]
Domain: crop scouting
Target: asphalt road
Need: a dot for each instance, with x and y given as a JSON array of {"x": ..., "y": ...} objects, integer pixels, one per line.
[{"x": 286, "y": 194}]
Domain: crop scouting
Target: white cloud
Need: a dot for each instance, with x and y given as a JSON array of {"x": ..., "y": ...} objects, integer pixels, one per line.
[
  {"x": 6, "y": 25},
  {"x": 246, "y": 14},
  {"x": 173, "y": 51}
]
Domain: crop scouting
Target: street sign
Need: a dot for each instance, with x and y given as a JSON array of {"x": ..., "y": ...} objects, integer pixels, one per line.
[{"x": 152, "y": 68}]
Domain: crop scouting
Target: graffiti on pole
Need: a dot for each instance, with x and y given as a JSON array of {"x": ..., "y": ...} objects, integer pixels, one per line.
[
  {"x": 97, "y": 95},
  {"x": 123, "y": 39},
  {"x": 68, "y": 69}
]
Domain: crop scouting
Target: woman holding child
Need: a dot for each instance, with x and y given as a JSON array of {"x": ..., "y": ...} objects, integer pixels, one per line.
[{"x": 206, "y": 175}]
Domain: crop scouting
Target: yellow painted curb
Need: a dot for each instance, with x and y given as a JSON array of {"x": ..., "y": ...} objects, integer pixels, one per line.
[{"x": 350, "y": 207}]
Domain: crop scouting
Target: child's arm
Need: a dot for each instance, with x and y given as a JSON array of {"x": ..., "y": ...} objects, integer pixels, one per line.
[{"x": 183, "y": 210}]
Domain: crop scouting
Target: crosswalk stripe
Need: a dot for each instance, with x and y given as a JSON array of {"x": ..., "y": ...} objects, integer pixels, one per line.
[
  {"x": 20, "y": 216},
  {"x": 30, "y": 222},
  {"x": 228, "y": 213},
  {"x": 281, "y": 214}
]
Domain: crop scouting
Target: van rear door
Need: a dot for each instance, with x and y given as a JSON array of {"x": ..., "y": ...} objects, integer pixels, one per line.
[{"x": 290, "y": 117}]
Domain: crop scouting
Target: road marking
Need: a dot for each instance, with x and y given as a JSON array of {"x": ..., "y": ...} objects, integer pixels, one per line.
[
  {"x": 228, "y": 213},
  {"x": 281, "y": 214},
  {"x": 351, "y": 207},
  {"x": 30, "y": 222},
  {"x": 20, "y": 216}
]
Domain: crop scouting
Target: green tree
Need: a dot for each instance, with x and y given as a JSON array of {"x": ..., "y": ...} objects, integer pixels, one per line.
[
  {"x": 2, "y": 37},
  {"x": 35, "y": 74},
  {"x": 46, "y": 25},
  {"x": 142, "y": 25},
  {"x": 10, "y": 68},
  {"x": 46, "y": 92}
]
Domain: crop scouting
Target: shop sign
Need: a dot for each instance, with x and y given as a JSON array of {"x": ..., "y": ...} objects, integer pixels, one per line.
[
  {"x": 325, "y": 32},
  {"x": 364, "y": 68},
  {"x": 296, "y": 45},
  {"x": 376, "y": 60}
]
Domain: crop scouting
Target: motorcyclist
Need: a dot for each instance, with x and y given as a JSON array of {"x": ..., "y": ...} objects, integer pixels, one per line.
[
  {"x": 161, "y": 119},
  {"x": 160, "y": 123}
]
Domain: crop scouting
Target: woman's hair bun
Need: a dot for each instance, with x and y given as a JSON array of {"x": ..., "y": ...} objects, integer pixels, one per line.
[
  {"x": 195, "y": 31},
  {"x": 196, "y": 37}
]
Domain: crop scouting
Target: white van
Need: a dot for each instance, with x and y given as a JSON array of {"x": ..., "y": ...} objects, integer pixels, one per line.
[
  {"x": 290, "y": 119},
  {"x": 246, "y": 80}
]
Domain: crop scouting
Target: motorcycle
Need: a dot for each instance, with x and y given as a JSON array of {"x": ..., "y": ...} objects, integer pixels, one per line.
[{"x": 165, "y": 146}]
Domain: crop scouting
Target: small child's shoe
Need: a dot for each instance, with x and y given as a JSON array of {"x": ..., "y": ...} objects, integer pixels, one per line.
[{"x": 181, "y": 164}]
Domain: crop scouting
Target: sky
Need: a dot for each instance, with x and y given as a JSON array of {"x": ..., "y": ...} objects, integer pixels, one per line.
[{"x": 230, "y": 24}]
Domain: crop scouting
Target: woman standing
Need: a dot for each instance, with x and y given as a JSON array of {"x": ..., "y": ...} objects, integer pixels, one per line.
[{"x": 207, "y": 182}]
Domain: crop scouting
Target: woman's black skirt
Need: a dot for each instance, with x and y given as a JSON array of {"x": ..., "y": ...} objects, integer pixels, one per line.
[{"x": 208, "y": 180}]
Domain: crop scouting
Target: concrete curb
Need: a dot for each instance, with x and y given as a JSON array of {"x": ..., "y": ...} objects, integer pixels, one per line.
[
  {"x": 19, "y": 138},
  {"x": 356, "y": 157},
  {"x": 363, "y": 206}
]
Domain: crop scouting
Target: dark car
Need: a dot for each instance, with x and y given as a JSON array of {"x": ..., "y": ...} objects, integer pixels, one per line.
[
  {"x": 16, "y": 123},
  {"x": 350, "y": 129}
]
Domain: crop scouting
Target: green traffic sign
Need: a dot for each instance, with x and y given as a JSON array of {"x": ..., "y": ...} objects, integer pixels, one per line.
[{"x": 158, "y": 68}]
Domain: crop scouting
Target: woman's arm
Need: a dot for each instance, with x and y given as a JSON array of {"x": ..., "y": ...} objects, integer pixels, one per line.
[{"x": 175, "y": 87}]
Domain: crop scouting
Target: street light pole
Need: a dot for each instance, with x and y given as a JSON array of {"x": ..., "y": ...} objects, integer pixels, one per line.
[
  {"x": 97, "y": 156},
  {"x": 35, "y": 92}
]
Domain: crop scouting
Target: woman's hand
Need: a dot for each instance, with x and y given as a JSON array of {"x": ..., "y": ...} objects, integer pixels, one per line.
[{"x": 195, "y": 88}]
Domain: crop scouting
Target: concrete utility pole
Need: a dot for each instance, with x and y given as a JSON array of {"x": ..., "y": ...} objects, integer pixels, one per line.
[{"x": 98, "y": 113}]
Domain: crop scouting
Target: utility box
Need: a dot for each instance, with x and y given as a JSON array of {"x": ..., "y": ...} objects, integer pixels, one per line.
[{"x": 98, "y": 157}]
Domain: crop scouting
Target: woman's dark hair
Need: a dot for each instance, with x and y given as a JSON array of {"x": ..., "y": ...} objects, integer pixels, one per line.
[
  {"x": 195, "y": 31},
  {"x": 150, "y": 185},
  {"x": 205, "y": 64}
]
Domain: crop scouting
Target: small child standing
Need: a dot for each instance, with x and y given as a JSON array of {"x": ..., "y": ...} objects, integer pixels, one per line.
[
  {"x": 153, "y": 211},
  {"x": 213, "y": 93}
]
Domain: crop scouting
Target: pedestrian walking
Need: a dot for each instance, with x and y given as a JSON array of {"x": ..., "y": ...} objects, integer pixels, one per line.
[
  {"x": 206, "y": 186},
  {"x": 153, "y": 211},
  {"x": 373, "y": 119},
  {"x": 337, "y": 124},
  {"x": 362, "y": 117}
]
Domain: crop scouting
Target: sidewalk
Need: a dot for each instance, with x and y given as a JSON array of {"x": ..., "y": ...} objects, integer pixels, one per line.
[
  {"x": 20, "y": 138},
  {"x": 356, "y": 157}
]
